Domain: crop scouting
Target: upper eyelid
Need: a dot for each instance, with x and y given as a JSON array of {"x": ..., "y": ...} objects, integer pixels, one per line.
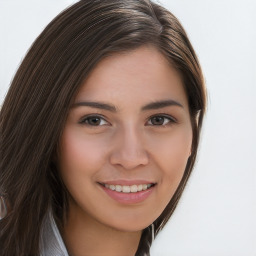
[
  {"x": 93, "y": 115},
  {"x": 164, "y": 115}
]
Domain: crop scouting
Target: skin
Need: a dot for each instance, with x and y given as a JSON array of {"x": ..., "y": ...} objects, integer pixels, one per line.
[{"x": 125, "y": 144}]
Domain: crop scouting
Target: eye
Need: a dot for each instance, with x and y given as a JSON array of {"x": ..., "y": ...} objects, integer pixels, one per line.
[
  {"x": 93, "y": 121},
  {"x": 160, "y": 120}
]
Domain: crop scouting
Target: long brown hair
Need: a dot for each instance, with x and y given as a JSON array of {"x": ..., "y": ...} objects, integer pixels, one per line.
[{"x": 36, "y": 106}]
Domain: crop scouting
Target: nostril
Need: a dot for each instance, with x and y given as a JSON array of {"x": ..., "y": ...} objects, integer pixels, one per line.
[{"x": 129, "y": 161}]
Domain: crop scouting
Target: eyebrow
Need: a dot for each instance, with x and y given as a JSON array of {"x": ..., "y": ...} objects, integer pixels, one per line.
[
  {"x": 161, "y": 104},
  {"x": 112, "y": 108},
  {"x": 98, "y": 105}
]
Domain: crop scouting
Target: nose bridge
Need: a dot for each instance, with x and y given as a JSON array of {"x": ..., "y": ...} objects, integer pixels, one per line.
[{"x": 129, "y": 148}]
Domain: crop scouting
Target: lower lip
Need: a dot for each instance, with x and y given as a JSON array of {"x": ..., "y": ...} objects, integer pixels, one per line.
[{"x": 129, "y": 198}]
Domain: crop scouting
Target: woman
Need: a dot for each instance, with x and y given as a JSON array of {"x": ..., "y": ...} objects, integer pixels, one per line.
[{"x": 99, "y": 131}]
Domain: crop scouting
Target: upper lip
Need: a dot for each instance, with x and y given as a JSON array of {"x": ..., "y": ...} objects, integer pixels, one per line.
[{"x": 127, "y": 182}]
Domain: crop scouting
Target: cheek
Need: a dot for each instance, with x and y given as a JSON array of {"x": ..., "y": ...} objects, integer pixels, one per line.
[
  {"x": 171, "y": 154},
  {"x": 81, "y": 153}
]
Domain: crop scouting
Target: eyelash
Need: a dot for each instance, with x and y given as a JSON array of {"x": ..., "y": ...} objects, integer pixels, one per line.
[
  {"x": 168, "y": 120},
  {"x": 84, "y": 120},
  {"x": 171, "y": 120}
]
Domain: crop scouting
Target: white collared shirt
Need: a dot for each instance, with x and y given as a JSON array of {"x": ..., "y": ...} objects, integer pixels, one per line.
[{"x": 51, "y": 242}]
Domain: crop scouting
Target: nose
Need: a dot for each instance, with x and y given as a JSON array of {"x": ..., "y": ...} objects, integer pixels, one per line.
[{"x": 129, "y": 151}]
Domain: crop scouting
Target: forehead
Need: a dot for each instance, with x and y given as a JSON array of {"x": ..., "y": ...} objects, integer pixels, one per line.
[{"x": 138, "y": 76}]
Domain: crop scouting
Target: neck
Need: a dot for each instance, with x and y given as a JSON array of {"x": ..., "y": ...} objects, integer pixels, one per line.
[{"x": 86, "y": 236}]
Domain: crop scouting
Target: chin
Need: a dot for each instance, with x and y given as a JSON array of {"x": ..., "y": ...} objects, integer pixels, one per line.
[{"x": 130, "y": 225}]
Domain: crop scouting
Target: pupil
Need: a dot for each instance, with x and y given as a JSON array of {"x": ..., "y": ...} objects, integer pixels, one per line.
[
  {"x": 94, "y": 121},
  {"x": 157, "y": 120}
]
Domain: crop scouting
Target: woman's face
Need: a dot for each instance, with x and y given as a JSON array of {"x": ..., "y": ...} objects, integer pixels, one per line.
[{"x": 126, "y": 141}]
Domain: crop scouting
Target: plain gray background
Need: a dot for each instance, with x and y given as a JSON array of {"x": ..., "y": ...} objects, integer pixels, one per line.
[{"x": 216, "y": 216}]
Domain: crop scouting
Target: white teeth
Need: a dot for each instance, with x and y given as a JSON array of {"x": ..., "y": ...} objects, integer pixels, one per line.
[
  {"x": 128, "y": 189},
  {"x": 112, "y": 187},
  {"x": 134, "y": 188},
  {"x": 144, "y": 186},
  {"x": 118, "y": 188},
  {"x": 140, "y": 188}
]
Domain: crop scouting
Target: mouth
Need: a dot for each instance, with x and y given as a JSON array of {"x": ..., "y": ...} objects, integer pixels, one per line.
[
  {"x": 128, "y": 193},
  {"x": 128, "y": 189}
]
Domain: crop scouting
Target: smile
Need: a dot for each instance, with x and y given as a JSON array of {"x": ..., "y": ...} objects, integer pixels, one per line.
[
  {"x": 128, "y": 193},
  {"x": 128, "y": 189}
]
